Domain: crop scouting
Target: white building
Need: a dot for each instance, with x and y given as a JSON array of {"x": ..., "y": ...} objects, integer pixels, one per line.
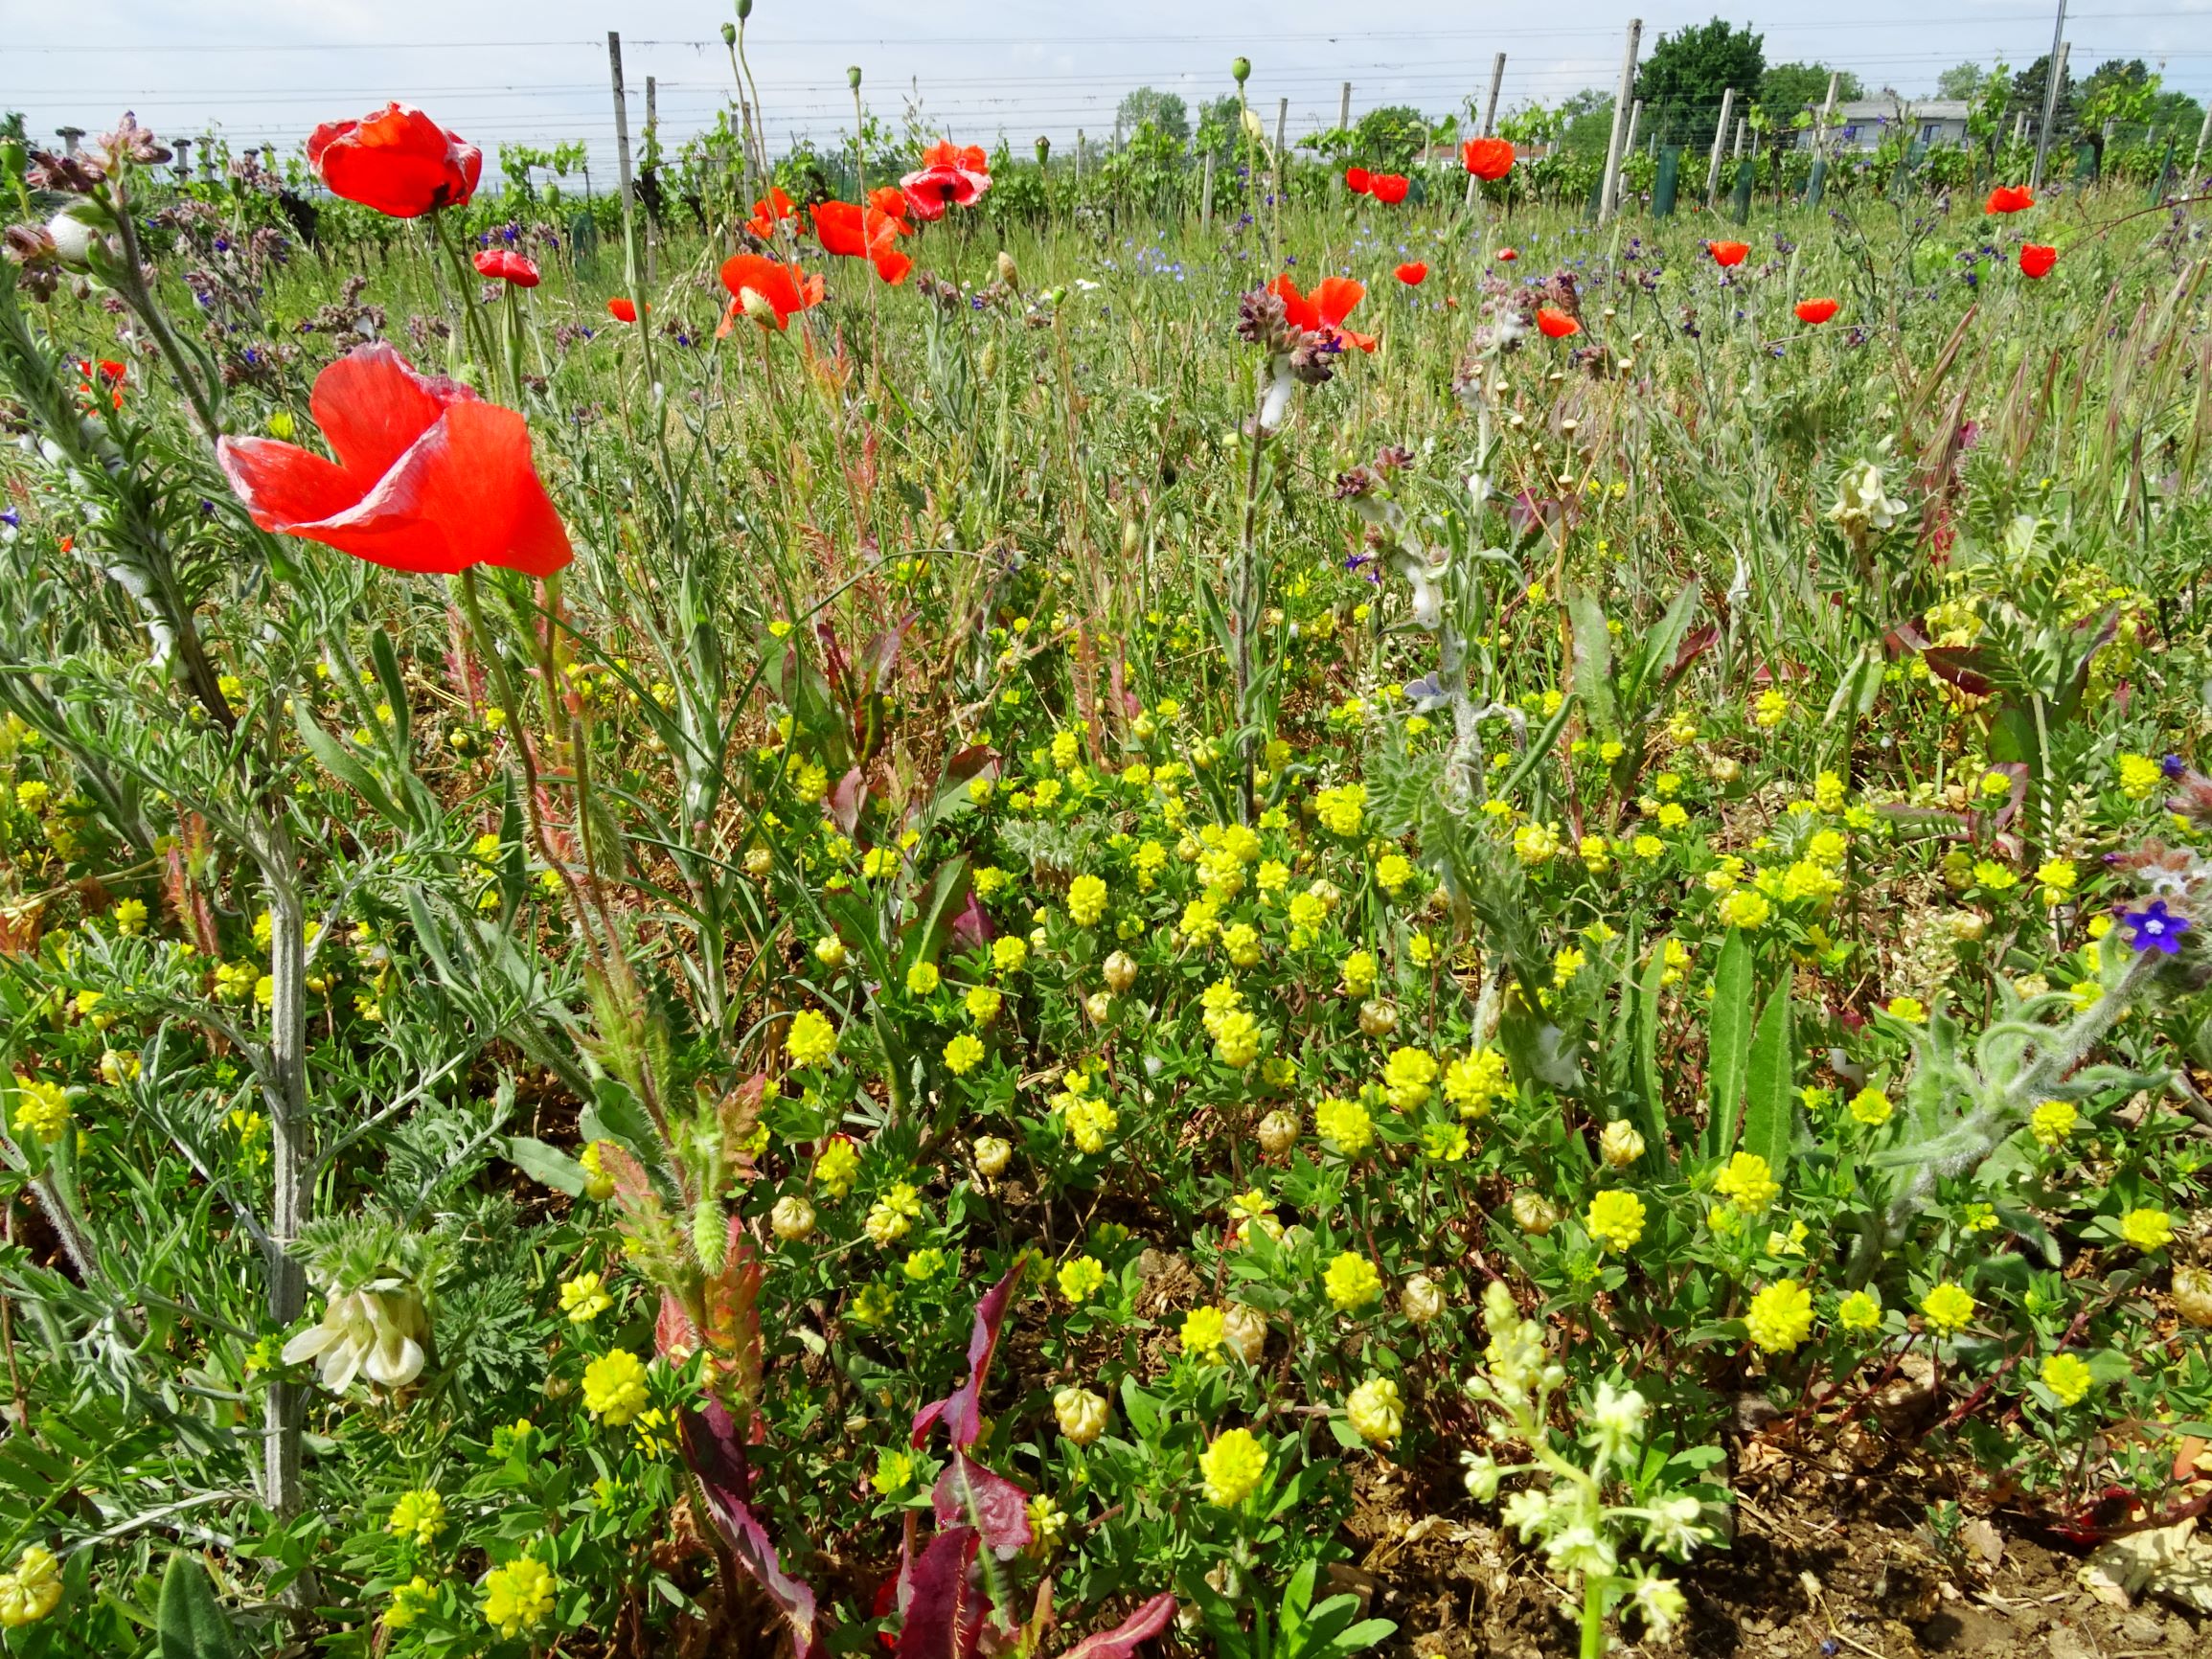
[{"x": 1863, "y": 122}]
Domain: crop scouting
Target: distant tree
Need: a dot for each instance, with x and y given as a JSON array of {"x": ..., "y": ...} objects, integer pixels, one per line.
[
  {"x": 2176, "y": 115},
  {"x": 1682, "y": 82},
  {"x": 1217, "y": 134},
  {"x": 1585, "y": 123},
  {"x": 1390, "y": 137},
  {"x": 1165, "y": 111},
  {"x": 1790, "y": 87},
  {"x": 2119, "y": 90},
  {"x": 1960, "y": 80},
  {"x": 2028, "y": 98}
]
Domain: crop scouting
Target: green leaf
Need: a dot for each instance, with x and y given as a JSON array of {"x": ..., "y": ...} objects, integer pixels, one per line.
[
  {"x": 947, "y": 896},
  {"x": 548, "y": 1165},
  {"x": 1651, "y": 1117},
  {"x": 1727, "y": 1042},
  {"x": 1770, "y": 1111},
  {"x": 1593, "y": 661},
  {"x": 386, "y": 661},
  {"x": 347, "y": 768},
  {"x": 1662, "y": 642},
  {"x": 188, "y": 1623}
]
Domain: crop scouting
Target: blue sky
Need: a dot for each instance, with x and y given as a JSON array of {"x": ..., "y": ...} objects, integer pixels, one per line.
[{"x": 535, "y": 71}]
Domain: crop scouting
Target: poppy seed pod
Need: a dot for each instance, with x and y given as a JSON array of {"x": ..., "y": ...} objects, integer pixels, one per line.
[
  {"x": 1043, "y": 149},
  {"x": 1242, "y": 70},
  {"x": 744, "y": 9},
  {"x": 852, "y": 76},
  {"x": 729, "y": 34}
]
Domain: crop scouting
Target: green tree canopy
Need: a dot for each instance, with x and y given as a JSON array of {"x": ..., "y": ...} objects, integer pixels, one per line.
[
  {"x": 1790, "y": 87},
  {"x": 1960, "y": 80},
  {"x": 1390, "y": 137},
  {"x": 1164, "y": 111},
  {"x": 1682, "y": 82}
]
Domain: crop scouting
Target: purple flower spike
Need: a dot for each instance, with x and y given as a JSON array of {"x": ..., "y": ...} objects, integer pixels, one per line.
[
  {"x": 2154, "y": 927},
  {"x": 2172, "y": 765}
]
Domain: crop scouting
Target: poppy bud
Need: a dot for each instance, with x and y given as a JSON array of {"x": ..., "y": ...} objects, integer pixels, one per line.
[
  {"x": 1008, "y": 272},
  {"x": 729, "y": 34},
  {"x": 757, "y": 307},
  {"x": 852, "y": 76},
  {"x": 1043, "y": 149},
  {"x": 1242, "y": 70}
]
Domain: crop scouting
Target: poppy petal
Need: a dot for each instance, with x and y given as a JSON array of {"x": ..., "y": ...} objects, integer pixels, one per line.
[
  {"x": 372, "y": 407},
  {"x": 282, "y": 485}
]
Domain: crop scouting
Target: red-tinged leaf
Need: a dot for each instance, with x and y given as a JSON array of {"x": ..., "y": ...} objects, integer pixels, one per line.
[
  {"x": 961, "y": 1410},
  {"x": 971, "y": 929},
  {"x": 1904, "y": 637},
  {"x": 969, "y": 1494},
  {"x": 943, "y": 1609},
  {"x": 847, "y": 799},
  {"x": 1694, "y": 644},
  {"x": 632, "y": 1187},
  {"x": 1119, "y": 1643},
  {"x": 733, "y": 1330},
  {"x": 1956, "y": 664},
  {"x": 715, "y": 1451},
  {"x": 882, "y": 654},
  {"x": 675, "y": 1337}
]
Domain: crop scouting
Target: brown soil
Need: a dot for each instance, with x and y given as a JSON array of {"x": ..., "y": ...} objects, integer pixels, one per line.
[{"x": 1807, "y": 1576}]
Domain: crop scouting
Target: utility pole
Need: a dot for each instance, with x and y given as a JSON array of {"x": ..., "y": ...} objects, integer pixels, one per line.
[
  {"x": 1282, "y": 127},
  {"x": 1490, "y": 107},
  {"x": 183, "y": 147},
  {"x": 1628, "y": 82},
  {"x": 69, "y": 135},
  {"x": 2055, "y": 68},
  {"x": 1826, "y": 114},
  {"x": 621, "y": 119},
  {"x": 1719, "y": 136},
  {"x": 1205, "y": 196},
  {"x": 1627, "y": 148}
]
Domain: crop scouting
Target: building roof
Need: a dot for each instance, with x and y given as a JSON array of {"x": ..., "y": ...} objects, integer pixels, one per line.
[{"x": 1912, "y": 108}]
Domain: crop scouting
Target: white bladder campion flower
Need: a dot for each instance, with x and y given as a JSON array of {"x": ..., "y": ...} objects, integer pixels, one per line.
[{"x": 377, "y": 1331}]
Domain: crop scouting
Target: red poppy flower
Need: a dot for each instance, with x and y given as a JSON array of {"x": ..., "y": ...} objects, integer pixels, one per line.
[
  {"x": 784, "y": 292},
  {"x": 2037, "y": 261},
  {"x": 505, "y": 265},
  {"x": 1486, "y": 158},
  {"x": 1412, "y": 273},
  {"x": 622, "y": 310},
  {"x": 398, "y": 160},
  {"x": 768, "y": 212},
  {"x": 1815, "y": 311},
  {"x": 1389, "y": 188},
  {"x": 1323, "y": 311},
  {"x": 1556, "y": 325},
  {"x": 892, "y": 204},
  {"x": 1507, "y": 256},
  {"x": 868, "y": 233},
  {"x": 949, "y": 176},
  {"x": 1728, "y": 252},
  {"x": 2009, "y": 198},
  {"x": 428, "y": 477},
  {"x": 1359, "y": 181}
]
